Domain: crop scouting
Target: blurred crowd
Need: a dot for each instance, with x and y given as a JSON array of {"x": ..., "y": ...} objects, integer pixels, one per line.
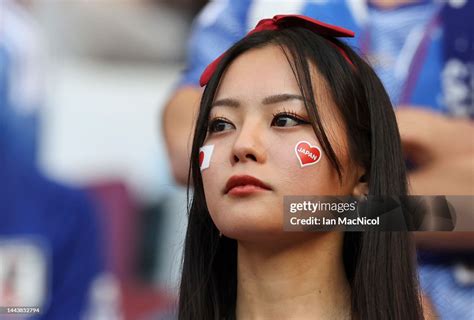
[
  {"x": 91, "y": 220},
  {"x": 96, "y": 104}
]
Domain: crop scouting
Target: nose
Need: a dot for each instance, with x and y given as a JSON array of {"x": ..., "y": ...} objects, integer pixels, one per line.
[{"x": 248, "y": 146}]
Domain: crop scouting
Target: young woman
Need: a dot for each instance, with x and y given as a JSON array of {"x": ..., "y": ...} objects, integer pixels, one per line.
[{"x": 290, "y": 81}]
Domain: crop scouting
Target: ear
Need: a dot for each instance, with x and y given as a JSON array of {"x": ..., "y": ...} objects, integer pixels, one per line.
[{"x": 361, "y": 188}]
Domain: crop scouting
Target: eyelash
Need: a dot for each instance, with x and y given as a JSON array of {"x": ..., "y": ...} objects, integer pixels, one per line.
[
  {"x": 215, "y": 120},
  {"x": 290, "y": 114}
]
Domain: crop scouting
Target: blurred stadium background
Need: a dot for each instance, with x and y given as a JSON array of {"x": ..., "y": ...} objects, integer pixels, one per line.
[{"x": 103, "y": 70}]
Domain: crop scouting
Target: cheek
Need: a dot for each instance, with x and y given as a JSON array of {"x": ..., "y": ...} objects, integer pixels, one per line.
[
  {"x": 303, "y": 168},
  {"x": 214, "y": 176}
]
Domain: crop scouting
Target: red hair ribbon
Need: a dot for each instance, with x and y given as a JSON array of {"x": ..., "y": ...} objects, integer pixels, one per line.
[{"x": 284, "y": 21}]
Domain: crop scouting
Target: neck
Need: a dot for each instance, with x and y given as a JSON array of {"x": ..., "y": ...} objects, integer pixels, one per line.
[{"x": 306, "y": 281}]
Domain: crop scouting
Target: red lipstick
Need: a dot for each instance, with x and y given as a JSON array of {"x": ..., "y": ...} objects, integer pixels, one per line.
[{"x": 244, "y": 185}]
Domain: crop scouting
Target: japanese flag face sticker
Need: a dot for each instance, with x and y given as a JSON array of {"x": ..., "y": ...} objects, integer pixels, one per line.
[
  {"x": 307, "y": 154},
  {"x": 205, "y": 154}
]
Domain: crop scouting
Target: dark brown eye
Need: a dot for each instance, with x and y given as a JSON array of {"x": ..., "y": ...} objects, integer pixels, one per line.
[
  {"x": 286, "y": 120},
  {"x": 220, "y": 125}
]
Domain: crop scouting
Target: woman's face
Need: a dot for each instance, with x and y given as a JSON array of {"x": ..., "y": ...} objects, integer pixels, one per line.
[{"x": 257, "y": 119}]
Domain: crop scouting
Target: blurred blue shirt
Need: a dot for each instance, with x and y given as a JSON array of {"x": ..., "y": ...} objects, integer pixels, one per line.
[
  {"x": 422, "y": 52},
  {"x": 50, "y": 246}
]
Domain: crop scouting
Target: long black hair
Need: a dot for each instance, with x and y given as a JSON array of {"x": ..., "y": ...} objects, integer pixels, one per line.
[{"x": 380, "y": 266}]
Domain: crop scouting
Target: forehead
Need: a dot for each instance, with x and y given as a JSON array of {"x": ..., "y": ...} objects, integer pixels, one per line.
[
  {"x": 262, "y": 72},
  {"x": 258, "y": 72}
]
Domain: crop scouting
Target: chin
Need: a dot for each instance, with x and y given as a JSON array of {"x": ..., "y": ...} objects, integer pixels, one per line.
[
  {"x": 248, "y": 217},
  {"x": 259, "y": 235},
  {"x": 250, "y": 227}
]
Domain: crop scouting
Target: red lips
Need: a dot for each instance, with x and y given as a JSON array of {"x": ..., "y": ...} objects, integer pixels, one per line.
[{"x": 242, "y": 185}]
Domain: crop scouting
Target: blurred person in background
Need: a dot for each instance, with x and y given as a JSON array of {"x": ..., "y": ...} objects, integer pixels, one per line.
[
  {"x": 423, "y": 53},
  {"x": 50, "y": 252}
]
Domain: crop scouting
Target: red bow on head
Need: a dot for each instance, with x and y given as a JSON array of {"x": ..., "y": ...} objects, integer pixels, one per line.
[{"x": 285, "y": 21}]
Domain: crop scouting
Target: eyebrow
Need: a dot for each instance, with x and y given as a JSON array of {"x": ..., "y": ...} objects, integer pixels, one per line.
[{"x": 229, "y": 102}]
